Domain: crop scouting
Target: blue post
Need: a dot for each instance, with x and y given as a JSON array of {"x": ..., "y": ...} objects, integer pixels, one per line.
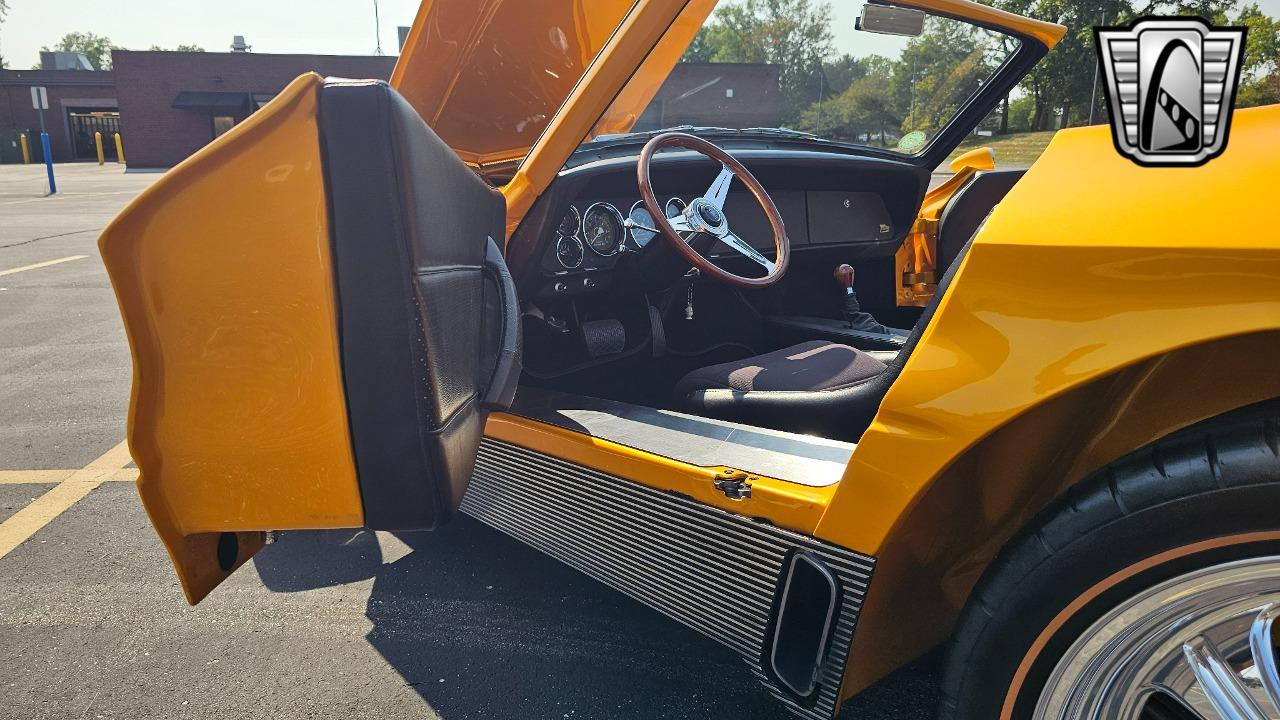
[{"x": 48, "y": 161}]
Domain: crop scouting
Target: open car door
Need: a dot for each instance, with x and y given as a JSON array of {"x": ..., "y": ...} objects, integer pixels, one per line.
[{"x": 320, "y": 318}]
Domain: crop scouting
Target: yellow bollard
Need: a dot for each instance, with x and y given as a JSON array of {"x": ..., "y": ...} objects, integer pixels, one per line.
[
  {"x": 119, "y": 149},
  {"x": 26, "y": 149},
  {"x": 97, "y": 141}
]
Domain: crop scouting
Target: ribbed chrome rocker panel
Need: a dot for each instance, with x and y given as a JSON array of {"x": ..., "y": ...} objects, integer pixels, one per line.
[{"x": 713, "y": 571}]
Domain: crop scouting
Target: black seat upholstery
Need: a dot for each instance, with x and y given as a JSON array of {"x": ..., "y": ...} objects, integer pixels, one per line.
[
  {"x": 838, "y": 411},
  {"x": 968, "y": 207},
  {"x": 811, "y": 366},
  {"x": 421, "y": 287},
  {"x": 837, "y": 404}
]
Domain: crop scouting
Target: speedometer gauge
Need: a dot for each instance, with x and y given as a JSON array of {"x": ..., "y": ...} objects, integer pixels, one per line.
[
  {"x": 602, "y": 228},
  {"x": 570, "y": 223},
  {"x": 642, "y": 222}
]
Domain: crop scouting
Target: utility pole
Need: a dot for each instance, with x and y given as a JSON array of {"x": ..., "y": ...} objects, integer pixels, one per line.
[
  {"x": 377, "y": 30},
  {"x": 912, "y": 121},
  {"x": 1093, "y": 96}
]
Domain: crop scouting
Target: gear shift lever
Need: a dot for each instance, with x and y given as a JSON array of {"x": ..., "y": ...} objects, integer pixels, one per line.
[
  {"x": 849, "y": 307},
  {"x": 852, "y": 311},
  {"x": 844, "y": 276}
]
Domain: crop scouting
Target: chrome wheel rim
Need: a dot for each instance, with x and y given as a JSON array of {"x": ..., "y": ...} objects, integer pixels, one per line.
[{"x": 1201, "y": 646}]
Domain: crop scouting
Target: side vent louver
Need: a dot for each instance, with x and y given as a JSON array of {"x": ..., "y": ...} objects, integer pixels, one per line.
[{"x": 689, "y": 562}]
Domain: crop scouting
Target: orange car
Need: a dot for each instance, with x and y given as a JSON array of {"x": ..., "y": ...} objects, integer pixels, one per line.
[{"x": 503, "y": 283}]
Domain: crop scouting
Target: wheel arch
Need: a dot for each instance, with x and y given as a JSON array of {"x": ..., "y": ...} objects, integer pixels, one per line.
[{"x": 939, "y": 549}]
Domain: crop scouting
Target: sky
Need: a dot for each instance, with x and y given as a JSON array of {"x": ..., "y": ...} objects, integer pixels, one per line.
[
  {"x": 328, "y": 27},
  {"x": 336, "y": 27}
]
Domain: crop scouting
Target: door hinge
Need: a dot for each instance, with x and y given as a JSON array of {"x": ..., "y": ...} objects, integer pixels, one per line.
[{"x": 735, "y": 484}]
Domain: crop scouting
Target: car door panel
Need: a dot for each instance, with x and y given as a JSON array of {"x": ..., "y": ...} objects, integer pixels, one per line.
[{"x": 303, "y": 301}]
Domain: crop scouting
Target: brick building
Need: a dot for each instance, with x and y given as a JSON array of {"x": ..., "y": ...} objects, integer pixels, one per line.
[
  {"x": 729, "y": 94},
  {"x": 172, "y": 103},
  {"x": 167, "y": 105},
  {"x": 80, "y": 101}
]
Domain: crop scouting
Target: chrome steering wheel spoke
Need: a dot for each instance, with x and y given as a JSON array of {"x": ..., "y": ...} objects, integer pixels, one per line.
[
  {"x": 742, "y": 248},
  {"x": 719, "y": 189}
]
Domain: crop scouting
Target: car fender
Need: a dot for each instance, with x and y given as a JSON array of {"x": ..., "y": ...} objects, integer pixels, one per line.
[{"x": 1101, "y": 306}]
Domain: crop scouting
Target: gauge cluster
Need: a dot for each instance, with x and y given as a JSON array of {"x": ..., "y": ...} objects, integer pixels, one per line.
[{"x": 591, "y": 236}]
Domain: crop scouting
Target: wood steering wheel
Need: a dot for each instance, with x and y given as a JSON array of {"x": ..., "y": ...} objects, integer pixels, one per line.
[{"x": 706, "y": 214}]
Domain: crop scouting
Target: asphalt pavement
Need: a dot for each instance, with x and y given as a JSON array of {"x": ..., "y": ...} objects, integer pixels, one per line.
[{"x": 461, "y": 623}]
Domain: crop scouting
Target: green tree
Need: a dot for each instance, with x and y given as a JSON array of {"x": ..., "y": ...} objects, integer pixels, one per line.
[
  {"x": 795, "y": 35},
  {"x": 1021, "y": 111},
  {"x": 840, "y": 72},
  {"x": 864, "y": 111},
  {"x": 4, "y": 10},
  {"x": 939, "y": 70},
  {"x": 1062, "y": 84},
  {"x": 1260, "y": 71},
  {"x": 180, "y": 48},
  {"x": 701, "y": 49},
  {"x": 95, "y": 47}
]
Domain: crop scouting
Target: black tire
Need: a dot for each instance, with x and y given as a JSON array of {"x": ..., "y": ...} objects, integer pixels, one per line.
[{"x": 1213, "y": 484}]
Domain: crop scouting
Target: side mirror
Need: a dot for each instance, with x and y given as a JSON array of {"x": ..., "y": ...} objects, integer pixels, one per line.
[
  {"x": 889, "y": 20},
  {"x": 983, "y": 158}
]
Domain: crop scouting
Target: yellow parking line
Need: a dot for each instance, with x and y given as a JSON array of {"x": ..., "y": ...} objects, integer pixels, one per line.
[
  {"x": 46, "y": 263},
  {"x": 37, "y": 477},
  {"x": 27, "y": 521},
  {"x": 30, "y": 477}
]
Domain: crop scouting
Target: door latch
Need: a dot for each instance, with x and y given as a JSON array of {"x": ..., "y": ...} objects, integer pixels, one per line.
[{"x": 735, "y": 484}]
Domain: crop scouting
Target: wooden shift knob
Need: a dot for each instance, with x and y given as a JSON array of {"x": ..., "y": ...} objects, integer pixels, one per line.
[{"x": 844, "y": 276}]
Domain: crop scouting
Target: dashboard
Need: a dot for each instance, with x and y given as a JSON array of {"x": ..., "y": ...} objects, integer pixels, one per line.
[{"x": 579, "y": 235}]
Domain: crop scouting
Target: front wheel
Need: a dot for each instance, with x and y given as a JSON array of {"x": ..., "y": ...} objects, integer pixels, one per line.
[
  {"x": 1149, "y": 592},
  {"x": 1200, "y": 645}
]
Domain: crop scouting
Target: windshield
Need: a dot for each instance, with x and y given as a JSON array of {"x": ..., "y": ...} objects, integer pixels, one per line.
[{"x": 804, "y": 66}]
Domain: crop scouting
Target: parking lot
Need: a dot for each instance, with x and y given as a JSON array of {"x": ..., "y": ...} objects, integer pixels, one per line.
[{"x": 462, "y": 623}]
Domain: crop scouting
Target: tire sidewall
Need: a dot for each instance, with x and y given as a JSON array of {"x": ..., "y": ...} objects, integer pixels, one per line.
[{"x": 1231, "y": 518}]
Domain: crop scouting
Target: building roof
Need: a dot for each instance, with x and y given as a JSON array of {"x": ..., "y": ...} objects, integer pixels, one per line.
[{"x": 82, "y": 78}]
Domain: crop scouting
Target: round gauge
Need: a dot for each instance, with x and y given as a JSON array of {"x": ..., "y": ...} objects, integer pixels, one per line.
[
  {"x": 570, "y": 223},
  {"x": 602, "y": 228},
  {"x": 674, "y": 207},
  {"x": 642, "y": 219},
  {"x": 569, "y": 252}
]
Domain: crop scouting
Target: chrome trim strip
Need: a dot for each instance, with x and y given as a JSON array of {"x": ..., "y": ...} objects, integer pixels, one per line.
[{"x": 689, "y": 561}]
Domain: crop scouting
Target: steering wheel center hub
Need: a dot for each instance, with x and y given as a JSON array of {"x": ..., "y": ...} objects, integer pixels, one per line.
[{"x": 706, "y": 217}]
